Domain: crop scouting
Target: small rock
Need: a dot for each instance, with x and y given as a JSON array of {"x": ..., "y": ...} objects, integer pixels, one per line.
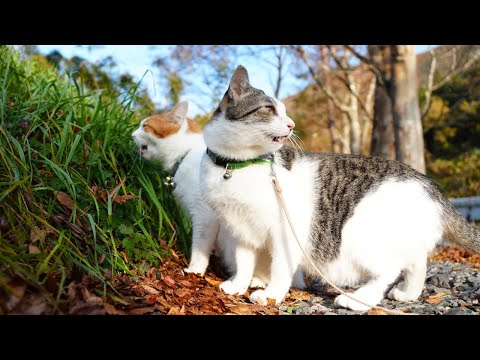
[
  {"x": 459, "y": 311},
  {"x": 473, "y": 279},
  {"x": 441, "y": 280},
  {"x": 438, "y": 290},
  {"x": 303, "y": 304}
]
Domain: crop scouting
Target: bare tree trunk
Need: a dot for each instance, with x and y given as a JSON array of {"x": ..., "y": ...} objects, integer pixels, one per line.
[
  {"x": 330, "y": 107},
  {"x": 280, "y": 60},
  {"x": 346, "y": 136},
  {"x": 408, "y": 132},
  {"x": 383, "y": 141},
  {"x": 353, "y": 115},
  {"x": 367, "y": 120}
]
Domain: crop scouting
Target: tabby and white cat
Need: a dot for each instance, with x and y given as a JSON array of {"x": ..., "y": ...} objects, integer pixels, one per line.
[
  {"x": 177, "y": 142},
  {"x": 359, "y": 219}
]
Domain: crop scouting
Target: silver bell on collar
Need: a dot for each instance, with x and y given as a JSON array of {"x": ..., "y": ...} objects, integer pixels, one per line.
[
  {"x": 169, "y": 183},
  {"x": 228, "y": 174}
]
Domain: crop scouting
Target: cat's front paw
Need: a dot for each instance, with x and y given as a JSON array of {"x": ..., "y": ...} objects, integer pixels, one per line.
[
  {"x": 258, "y": 283},
  {"x": 347, "y": 303},
  {"x": 196, "y": 269},
  {"x": 231, "y": 288},
  {"x": 261, "y": 296}
]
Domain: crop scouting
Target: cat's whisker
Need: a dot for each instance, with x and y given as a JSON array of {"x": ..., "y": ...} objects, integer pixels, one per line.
[
  {"x": 295, "y": 141},
  {"x": 300, "y": 142}
]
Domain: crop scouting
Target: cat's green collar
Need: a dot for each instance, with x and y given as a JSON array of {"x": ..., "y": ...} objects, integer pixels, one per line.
[{"x": 231, "y": 164}]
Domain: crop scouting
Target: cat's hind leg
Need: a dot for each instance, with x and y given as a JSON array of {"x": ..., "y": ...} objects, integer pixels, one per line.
[
  {"x": 299, "y": 279},
  {"x": 411, "y": 287},
  {"x": 371, "y": 293}
]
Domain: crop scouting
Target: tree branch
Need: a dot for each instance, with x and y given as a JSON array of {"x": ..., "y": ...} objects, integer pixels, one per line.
[
  {"x": 342, "y": 107},
  {"x": 376, "y": 71},
  {"x": 456, "y": 71},
  {"x": 348, "y": 81},
  {"x": 428, "y": 93}
]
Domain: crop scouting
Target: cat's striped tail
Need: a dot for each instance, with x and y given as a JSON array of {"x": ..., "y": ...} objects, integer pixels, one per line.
[{"x": 457, "y": 230}]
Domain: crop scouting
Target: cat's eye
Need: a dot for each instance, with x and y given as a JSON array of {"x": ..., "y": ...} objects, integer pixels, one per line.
[{"x": 270, "y": 108}]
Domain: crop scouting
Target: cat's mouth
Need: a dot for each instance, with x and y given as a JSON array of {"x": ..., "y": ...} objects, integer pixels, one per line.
[
  {"x": 279, "y": 139},
  {"x": 142, "y": 149}
]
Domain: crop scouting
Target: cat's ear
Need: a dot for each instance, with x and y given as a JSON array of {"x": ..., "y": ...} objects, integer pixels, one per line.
[
  {"x": 179, "y": 112},
  {"x": 239, "y": 83}
]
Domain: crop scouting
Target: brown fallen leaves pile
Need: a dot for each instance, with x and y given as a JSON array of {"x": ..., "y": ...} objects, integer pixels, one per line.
[
  {"x": 456, "y": 255},
  {"x": 164, "y": 290}
]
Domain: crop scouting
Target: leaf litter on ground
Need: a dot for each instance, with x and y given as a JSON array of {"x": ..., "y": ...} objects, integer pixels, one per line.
[{"x": 168, "y": 290}]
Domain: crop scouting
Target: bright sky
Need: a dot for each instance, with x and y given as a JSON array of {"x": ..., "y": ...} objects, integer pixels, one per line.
[{"x": 137, "y": 59}]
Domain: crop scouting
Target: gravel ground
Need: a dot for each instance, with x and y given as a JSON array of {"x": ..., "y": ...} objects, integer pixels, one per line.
[{"x": 450, "y": 289}]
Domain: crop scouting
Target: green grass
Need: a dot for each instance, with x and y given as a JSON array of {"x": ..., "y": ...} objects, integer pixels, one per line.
[{"x": 57, "y": 137}]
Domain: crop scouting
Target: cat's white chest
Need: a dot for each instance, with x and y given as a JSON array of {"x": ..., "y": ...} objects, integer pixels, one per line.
[{"x": 246, "y": 201}]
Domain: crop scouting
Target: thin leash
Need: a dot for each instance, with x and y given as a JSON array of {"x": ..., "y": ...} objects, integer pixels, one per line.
[{"x": 278, "y": 191}]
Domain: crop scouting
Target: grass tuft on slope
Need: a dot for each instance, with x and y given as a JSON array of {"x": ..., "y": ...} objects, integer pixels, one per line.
[{"x": 74, "y": 195}]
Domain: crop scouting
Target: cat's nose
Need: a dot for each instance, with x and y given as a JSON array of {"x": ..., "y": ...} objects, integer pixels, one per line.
[
  {"x": 133, "y": 137},
  {"x": 291, "y": 125}
]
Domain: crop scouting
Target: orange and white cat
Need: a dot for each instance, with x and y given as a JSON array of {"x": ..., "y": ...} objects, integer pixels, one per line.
[{"x": 177, "y": 142}]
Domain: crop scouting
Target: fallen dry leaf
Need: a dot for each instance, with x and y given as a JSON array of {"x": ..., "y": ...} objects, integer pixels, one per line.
[
  {"x": 95, "y": 300},
  {"x": 437, "y": 296},
  {"x": 176, "y": 310},
  {"x": 151, "y": 274},
  {"x": 303, "y": 295},
  {"x": 188, "y": 284},
  {"x": 141, "y": 311},
  {"x": 32, "y": 249},
  {"x": 161, "y": 300},
  {"x": 124, "y": 256},
  {"x": 16, "y": 290},
  {"x": 271, "y": 302},
  {"x": 37, "y": 234},
  {"x": 212, "y": 281},
  {"x": 182, "y": 292},
  {"x": 242, "y": 309},
  {"x": 119, "y": 199},
  {"x": 175, "y": 256},
  {"x": 112, "y": 310},
  {"x": 435, "y": 299},
  {"x": 377, "y": 311},
  {"x": 35, "y": 309},
  {"x": 86, "y": 309},
  {"x": 209, "y": 291},
  {"x": 167, "y": 279},
  {"x": 149, "y": 289},
  {"x": 64, "y": 199}
]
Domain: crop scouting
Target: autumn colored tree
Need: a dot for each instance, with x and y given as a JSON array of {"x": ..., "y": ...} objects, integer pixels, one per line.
[{"x": 397, "y": 131}]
